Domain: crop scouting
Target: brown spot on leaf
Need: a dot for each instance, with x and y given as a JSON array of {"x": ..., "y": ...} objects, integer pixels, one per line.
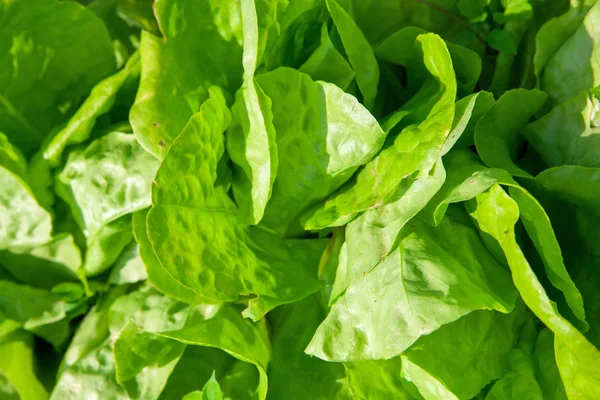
[
  {"x": 162, "y": 143},
  {"x": 156, "y": 124}
]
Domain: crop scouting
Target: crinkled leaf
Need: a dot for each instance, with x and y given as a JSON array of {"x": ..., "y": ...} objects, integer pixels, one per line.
[
  {"x": 413, "y": 153},
  {"x": 323, "y": 136},
  {"x": 157, "y": 275},
  {"x": 109, "y": 179},
  {"x": 433, "y": 277},
  {"x": 24, "y": 223},
  {"x": 260, "y": 263},
  {"x": 177, "y": 72},
  {"x": 371, "y": 236}
]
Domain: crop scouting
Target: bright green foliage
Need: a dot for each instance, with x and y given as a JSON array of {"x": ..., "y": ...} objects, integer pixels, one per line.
[{"x": 299, "y": 199}]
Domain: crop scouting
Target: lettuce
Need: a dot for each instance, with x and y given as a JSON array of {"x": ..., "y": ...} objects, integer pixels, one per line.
[{"x": 299, "y": 199}]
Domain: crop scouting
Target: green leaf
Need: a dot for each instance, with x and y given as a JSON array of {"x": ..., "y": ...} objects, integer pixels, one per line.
[
  {"x": 18, "y": 368},
  {"x": 293, "y": 374},
  {"x": 7, "y": 390},
  {"x": 92, "y": 374},
  {"x": 467, "y": 64},
  {"x": 376, "y": 379},
  {"x": 567, "y": 135},
  {"x": 479, "y": 342},
  {"x": 360, "y": 53},
  {"x": 467, "y": 178},
  {"x": 546, "y": 369},
  {"x": 25, "y": 223},
  {"x": 556, "y": 31},
  {"x": 577, "y": 359},
  {"x": 224, "y": 328},
  {"x": 88, "y": 365},
  {"x": 47, "y": 265},
  {"x": 296, "y": 35},
  {"x": 539, "y": 228},
  {"x": 251, "y": 141},
  {"x": 380, "y": 18},
  {"x": 104, "y": 248},
  {"x": 506, "y": 74},
  {"x": 566, "y": 50},
  {"x": 251, "y": 146},
  {"x": 99, "y": 102},
  {"x": 49, "y": 66},
  {"x": 157, "y": 275},
  {"x": 413, "y": 153},
  {"x": 129, "y": 267},
  {"x": 212, "y": 390},
  {"x": 327, "y": 64},
  {"x": 139, "y": 12},
  {"x": 125, "y": 36},
  {"x": 107, "y": 180},
  {"x": 196, "y": 366},
  {"x": 171, "y": 89},
  {"x": 497, "y": 137},
  {"x": 500, "y": 40},
  {"x": 473, "y": 10},
  {"x": 261, "y": 262},
  {"x": 240, "y": 381},
  {"x": 514, "y": 10},
  {"x": 149, "y": 333},
  {"x": 433, "y": 277},
  {"x": 431, "y": 388},
  {"x": 371, "y": 237},
  {"x": 103, "y": 184},
  {"x": 430, "y": 81},
  {"x": 568, "y": 193},
  {"x": 323, "y": 136},
  {"x": 595, "y": 91},
  {"x": 11, "y": 158},
  {"x": 260, "y": 28},
  {"x": 521, "y": 380},
  {"x": 39, "y": 311},
  {"x": 467, "y": 114},
  {"x": 144, "y": 361}
]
